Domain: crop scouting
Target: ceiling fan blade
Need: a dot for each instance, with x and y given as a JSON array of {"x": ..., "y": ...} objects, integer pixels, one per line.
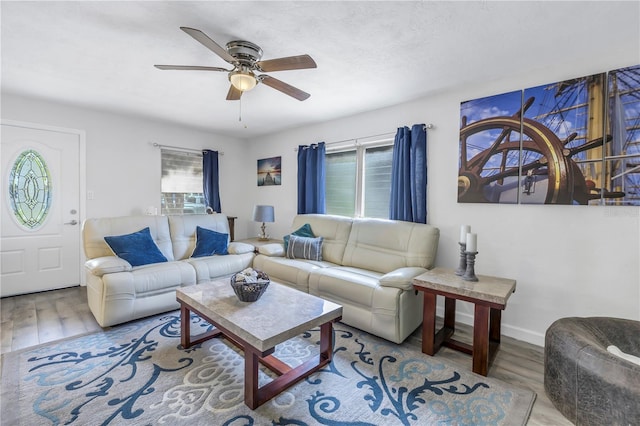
[
  {"x": 289, "y": 63},
  {"x": 285, "y": 88},
  {"x": 208, "y": 43},
  {"x": 234, "y": 94},
  {"x": 190, "y": 68}
]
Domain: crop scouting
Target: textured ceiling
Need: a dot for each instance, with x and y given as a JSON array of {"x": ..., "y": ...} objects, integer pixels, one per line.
[{"x": 369, "y": 54}]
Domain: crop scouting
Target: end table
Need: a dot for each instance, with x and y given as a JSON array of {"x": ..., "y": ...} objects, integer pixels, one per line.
[
  {"x": 257, "y": 242},
  {"x": 488, "y": 294}
]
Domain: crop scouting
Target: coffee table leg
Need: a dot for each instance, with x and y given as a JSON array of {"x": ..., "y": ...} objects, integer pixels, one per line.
[
  {"x": 326, "y": 342},
  {"x": 481, "y": 340},
  {"x": 254, "y": 396},
  {"x": 251, "y": 390},
  {"x": 185, "y": 326}
]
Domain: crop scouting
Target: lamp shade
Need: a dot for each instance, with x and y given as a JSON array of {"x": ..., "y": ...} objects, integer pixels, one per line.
[
  {"x": 243, "y": 81},
  {"x": 263, "y": 214}
]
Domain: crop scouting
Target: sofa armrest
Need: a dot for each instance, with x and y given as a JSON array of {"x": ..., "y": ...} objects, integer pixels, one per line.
[
  {"x": 107, "y": 265},
  {"x": 239, "y": 248},
  {"x": 272, "y": 250},
  {"x": 401, "y": 278}
]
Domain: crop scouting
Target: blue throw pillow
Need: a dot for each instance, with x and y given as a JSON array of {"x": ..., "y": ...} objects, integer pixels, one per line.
[
  {"x": 137, "y": 248},
  {"x": 210, "y": 242},
  {"x": 303, "y": 231},
  {"x": 304, "y": 248}
]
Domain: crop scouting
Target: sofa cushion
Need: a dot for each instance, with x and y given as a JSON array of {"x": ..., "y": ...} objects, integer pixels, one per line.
[
  {"x": 351, "y": 285},
  {"x": 136, "y": 248},
  {"x": 159, "y": 277},
  {"x": 94, "y": 230},
  {"x": 240, "y": 248},
  {"x": 208, "y": 268},
  {"x": 293, "y": 272},
  {"x": 334, "y": 229},
  {"x": 304, "y": 248},
  {"x": 385, "y": 245},
  {"x": 276, "y": 250},
  {"x": 209, "y": 242},
  {"x": 183, "y": 230},
  {"x": 303, "y": 231}
]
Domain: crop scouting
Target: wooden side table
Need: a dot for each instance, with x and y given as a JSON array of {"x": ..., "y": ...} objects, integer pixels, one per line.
[
  {"x": 488, "y": 294},
  {"x": 232, "y": 227}
]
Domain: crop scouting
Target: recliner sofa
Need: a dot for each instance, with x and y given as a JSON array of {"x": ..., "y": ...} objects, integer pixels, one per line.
[
  {"x": 118, "y": 292},
  {"x": 367, "y": 267}
]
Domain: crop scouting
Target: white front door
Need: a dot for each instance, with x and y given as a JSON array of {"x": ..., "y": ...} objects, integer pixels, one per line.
[{"x": 40, "y": 239}]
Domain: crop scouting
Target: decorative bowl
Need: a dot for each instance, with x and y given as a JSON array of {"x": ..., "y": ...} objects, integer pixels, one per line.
[{"x": 250, "y": 291}]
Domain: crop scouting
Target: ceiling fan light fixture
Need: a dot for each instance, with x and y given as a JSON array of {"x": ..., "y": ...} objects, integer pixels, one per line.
[
  {"x": 245, "y": 57},
  {"x": 243, "y": 80}
]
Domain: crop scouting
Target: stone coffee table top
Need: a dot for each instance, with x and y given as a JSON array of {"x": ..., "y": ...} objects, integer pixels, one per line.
[{"x": 279, "y": 315}]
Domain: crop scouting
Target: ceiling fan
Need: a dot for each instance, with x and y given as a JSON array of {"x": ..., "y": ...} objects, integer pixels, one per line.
[{"x": 245, "y": 58}]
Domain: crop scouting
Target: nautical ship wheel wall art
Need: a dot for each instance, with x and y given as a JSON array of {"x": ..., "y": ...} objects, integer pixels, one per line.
[{"x": 572, "y": 142}]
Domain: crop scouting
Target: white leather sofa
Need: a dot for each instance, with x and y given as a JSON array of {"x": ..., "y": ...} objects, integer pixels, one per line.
[
  {"x": 118, "y": 292},
  {"x": 367, "y": 267}
]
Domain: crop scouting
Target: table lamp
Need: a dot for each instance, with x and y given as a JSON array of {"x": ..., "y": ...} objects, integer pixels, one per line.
[{"x": 263, "y": 214}]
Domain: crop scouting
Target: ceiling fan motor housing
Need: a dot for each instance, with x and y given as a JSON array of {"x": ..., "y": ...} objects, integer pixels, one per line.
[{"x": 244, "y": 51}]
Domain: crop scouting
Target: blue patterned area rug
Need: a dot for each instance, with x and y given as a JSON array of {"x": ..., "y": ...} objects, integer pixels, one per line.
[{"x": 138, "y": 374}]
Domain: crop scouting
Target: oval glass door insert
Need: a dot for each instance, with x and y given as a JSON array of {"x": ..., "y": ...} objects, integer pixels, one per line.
[{"x": 30, "y": 189}]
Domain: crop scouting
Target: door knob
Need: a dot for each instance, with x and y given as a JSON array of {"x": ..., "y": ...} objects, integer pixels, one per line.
[{"x": 73, "y": 222}]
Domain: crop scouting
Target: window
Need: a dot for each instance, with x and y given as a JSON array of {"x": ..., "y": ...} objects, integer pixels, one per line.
[
  {"x": 341, "y": 171},
  {"x": 181, "y": 185},
  {"x": 359, "y": 179}
]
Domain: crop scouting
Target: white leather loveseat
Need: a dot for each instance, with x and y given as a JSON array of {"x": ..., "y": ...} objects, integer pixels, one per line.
[
  {"x": 118, "y": 292},
  {"x": 367, "y": 267}
]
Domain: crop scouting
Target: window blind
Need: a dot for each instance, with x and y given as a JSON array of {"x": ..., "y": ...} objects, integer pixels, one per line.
[{"x": 181, "y": 172}]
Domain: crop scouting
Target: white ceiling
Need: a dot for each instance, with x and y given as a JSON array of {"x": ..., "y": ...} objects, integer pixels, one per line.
[{"x": 369, "y": 54}]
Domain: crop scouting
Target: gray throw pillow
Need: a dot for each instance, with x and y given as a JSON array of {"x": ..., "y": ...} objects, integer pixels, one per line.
[
  {"x": 303, "y": 231},
  {"x": 304, "y": 248}
]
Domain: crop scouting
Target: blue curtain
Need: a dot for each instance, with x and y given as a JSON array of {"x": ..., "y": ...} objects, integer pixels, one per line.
[
  {"x": 409, "y": 175},
  {"x": 311, "y": 178},
  {"x": 210, "y": 182}
]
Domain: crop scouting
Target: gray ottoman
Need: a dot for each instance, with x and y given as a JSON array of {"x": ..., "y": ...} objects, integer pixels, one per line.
[{"x": 586, "y": 383}]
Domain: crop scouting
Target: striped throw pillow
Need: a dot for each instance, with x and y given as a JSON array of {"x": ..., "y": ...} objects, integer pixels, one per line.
[{"x": 304, "y": 248}]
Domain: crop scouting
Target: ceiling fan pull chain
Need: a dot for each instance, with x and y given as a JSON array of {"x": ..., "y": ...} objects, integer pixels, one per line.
[{"x": 240, "y": 107}]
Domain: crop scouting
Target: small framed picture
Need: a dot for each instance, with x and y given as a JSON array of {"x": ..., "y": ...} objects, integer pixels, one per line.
[{"x": 269, "y": 171}]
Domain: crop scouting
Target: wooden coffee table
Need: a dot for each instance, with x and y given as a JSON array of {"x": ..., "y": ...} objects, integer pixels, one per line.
[
  {"x": 489, "y": 295},
  {"x": 279, "y": 315}
]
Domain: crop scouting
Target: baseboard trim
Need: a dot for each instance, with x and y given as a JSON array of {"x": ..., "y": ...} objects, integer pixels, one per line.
[{"x": 514, "y": 332}]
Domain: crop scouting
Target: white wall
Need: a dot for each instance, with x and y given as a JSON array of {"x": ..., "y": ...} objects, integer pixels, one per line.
[
  {"x": 122, "y": 166},
  {"x": 567, "y": 260}
]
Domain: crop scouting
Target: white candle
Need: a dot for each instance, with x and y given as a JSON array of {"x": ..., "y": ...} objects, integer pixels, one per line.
[
  {"x": 472, "y": 243},
  {"x": 464, "y": 230}
]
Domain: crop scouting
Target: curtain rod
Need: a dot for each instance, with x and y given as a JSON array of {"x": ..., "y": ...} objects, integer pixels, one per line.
[
  {"x": 179, "y": 148},
  {"x": 362, "y": 137},
  {"x": 425, "y": 128}
]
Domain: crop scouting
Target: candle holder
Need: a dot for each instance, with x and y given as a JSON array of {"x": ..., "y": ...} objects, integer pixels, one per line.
[
  {"x": 463, "y": 260},
  {"x": 469, "y": 273}
]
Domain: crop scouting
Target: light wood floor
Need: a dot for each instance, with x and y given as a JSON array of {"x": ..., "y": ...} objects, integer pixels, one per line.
[{"x": 43, "y": 317}]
